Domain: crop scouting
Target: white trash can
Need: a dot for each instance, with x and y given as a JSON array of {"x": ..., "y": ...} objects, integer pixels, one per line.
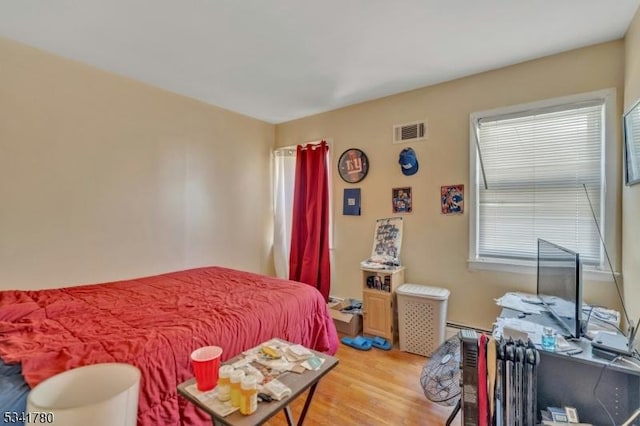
[
  {"x": 422, "y": 317},
  {"x": 97, "y": 395}
]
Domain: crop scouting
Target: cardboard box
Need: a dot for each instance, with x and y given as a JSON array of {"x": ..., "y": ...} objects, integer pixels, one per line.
[{"x": 348, "y": 324}]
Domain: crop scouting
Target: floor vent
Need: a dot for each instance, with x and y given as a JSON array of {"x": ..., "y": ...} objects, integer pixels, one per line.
[{"x": 410, "y": 132}]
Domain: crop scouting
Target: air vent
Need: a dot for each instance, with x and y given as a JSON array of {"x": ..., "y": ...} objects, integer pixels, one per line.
[{"x": 410, "y": 132}]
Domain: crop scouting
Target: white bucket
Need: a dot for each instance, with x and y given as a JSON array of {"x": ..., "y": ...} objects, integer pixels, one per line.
[{"x": 97, "y": 395}]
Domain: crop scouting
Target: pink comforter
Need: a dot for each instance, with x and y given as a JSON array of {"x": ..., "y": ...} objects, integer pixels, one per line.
[{"x": 154, "y": 323}]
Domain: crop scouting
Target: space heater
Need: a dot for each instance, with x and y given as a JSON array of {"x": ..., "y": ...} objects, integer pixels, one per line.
[
  {"x": 469, "y": 367},
  {"x": 500, "y": 389}
]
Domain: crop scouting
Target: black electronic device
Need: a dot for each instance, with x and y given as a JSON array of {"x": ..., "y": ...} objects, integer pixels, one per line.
[
  {"x": 560, "y": 285},
  {"x": 607, "y": 345},
  {"x": 264, "y": 397},
  {"x": 615, "y": 344},
  {"x": 469, "y": 365}
]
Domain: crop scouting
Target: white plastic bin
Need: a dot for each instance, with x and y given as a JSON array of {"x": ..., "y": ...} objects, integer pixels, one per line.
[
  {"x": 422, "y": 317},
  {"x": 98, "y": 395}
]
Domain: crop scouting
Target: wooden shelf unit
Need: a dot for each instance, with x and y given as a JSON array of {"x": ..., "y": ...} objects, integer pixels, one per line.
[{"x": 379, "y": 311}]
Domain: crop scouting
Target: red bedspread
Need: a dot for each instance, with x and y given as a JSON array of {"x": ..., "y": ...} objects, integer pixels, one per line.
[{"x": 155, "y": 323}]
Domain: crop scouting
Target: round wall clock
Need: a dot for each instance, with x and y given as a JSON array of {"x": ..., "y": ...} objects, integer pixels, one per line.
[{"x": 353, "y": 165}]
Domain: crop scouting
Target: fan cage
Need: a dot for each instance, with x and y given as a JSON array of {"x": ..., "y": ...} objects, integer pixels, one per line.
[{"x": 440, "y": 378}]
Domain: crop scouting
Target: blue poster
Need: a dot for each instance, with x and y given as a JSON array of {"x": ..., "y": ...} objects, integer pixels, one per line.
[{"x": 351, "y": 202}]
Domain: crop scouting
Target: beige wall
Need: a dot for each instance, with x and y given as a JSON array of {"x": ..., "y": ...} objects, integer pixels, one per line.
[
  {"x": 631, "y": 194},
  {"x": 104, "y": 178},
  {"x": 435, "y": 247}
]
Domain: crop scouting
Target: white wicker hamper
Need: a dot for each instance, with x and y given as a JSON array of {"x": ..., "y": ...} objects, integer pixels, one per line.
[{"x": 422, "y": 317}]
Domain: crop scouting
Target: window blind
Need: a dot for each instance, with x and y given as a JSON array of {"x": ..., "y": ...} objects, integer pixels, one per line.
[{"x": 536, "y": 163}]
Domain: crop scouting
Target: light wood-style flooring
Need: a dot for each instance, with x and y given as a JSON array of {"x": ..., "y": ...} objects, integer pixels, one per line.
[{"x": 371, "y": 388}]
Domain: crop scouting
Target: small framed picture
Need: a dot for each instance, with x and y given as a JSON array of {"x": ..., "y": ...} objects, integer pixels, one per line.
[
  {"x": 401, "y": 200},
  {"x": 452, "y": 199},
  {"x": 572, "y": 414}
]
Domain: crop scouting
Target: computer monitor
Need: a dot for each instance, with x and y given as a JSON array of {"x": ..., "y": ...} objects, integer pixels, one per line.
[{"x": 560, "y": 285}]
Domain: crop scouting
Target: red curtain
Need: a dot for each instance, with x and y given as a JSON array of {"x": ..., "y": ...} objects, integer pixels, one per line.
[{"x": 309, "y": 256}]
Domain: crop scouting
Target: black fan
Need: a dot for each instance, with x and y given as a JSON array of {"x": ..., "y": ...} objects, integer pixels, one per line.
[{"x": 440, "y": 376}]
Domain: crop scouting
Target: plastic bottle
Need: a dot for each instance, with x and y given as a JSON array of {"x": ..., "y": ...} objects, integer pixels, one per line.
[
  {"x": 224, "y": 382},
  {"x": 548, "y": 339},
  {"x": 236, "y": 378},
  {"x": 248, "y": 395}
]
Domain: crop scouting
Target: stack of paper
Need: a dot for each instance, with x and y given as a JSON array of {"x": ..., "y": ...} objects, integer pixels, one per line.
[
  {"x": 210, "y": 399},
  {"x": 277, "y": 389},
  {"x": 296, "y": 353}
]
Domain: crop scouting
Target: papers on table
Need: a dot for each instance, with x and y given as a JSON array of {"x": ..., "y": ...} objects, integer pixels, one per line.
[
  {"x": 267, "y": 366},
  {"x": 279, "y": 358},
  {"x": 523, "y": 302},
  {"x": 516, "y": 328},
  {"x": 600, "y": 319},
  {"x": 273, "y": 343},
  {"x": 277, "y": 389},
  {"x": 313, "y": 363},
  {"x": 288, "y": 356},
  {"x": 561, "y": 307},
  {"x": 603, "y": 319},
  {"x": 210, "y": 399},
  {"x": 297, "y": 353}
]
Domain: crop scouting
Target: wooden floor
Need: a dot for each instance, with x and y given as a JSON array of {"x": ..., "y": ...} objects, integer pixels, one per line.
[{"x": 371, "y": 388}]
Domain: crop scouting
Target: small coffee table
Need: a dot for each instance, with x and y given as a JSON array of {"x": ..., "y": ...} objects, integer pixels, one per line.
[{"x": 298, "y": 383}]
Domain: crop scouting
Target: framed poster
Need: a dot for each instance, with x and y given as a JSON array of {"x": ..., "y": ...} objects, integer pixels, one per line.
[
  {"x": 351, "y": 202},
  {"x": 401, "y": 200},
  {"x": 353, "y": 165},
  {"x": 452, "y": 199},
  {"x": 387, "y": 239}
]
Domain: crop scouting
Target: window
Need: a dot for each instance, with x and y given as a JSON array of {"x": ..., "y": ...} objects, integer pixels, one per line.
[
  {"x": 284, "y": 176},
  {"x": 538, "y": 160}
]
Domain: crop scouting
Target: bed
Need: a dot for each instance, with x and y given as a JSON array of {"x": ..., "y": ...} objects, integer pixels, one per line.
[{"x": 154, "y": 323}]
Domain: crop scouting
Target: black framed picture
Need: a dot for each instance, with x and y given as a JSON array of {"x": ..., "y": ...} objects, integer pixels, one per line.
[
  {"x": 401, "y": 201},
  {"x": 353, "y": 165}
]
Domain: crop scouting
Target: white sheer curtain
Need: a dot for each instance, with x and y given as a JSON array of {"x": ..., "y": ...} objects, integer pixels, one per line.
[{"x": 284, "y": 161}]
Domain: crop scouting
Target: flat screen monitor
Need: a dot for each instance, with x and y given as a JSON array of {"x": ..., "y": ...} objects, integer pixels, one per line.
[{"x": 560, "y": 285}]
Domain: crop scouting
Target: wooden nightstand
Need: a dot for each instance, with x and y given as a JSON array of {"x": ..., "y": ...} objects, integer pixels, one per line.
[{"x": 378, "y": 298}]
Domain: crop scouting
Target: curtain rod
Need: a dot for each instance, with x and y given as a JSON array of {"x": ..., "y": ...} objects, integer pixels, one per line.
[
  {"x": 284, "y": 152},
  {"x": 314, "y": 145},
  {"x": 292, "y": 149}
]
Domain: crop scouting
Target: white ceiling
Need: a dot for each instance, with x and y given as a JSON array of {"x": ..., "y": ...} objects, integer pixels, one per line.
[{"x": 278, "y": 60}]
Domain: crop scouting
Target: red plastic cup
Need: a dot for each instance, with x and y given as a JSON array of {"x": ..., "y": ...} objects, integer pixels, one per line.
[{"x": 206, "y": 362}]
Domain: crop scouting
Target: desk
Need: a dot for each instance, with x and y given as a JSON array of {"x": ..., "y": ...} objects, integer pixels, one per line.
[
  {"x": 565, "y": 380},
  {"x": 298, "y": 383}
]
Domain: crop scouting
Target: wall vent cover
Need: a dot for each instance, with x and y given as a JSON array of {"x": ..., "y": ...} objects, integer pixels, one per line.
[{"x": 410, "y": 132}]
